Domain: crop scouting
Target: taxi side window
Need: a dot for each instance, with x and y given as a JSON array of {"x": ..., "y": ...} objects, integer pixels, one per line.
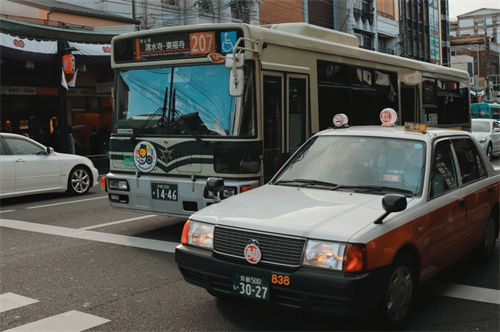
[
  {"x": 469, "y": 161},
  {"x": 444, "y": 177}
]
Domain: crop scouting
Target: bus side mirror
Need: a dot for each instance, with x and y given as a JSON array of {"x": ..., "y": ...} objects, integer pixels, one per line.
[
  {"x": 215, "y": 186},
  {"x": 236, "y": 79}
]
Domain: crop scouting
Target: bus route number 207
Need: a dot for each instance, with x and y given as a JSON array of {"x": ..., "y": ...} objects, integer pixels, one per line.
[{"x": 165, "y": 192}]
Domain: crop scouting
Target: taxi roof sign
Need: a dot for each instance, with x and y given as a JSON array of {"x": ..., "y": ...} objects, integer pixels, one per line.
[{"x": 415, "y": 126}]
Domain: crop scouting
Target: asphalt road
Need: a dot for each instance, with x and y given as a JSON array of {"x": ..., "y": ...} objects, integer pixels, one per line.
[{"x": 73, "y": 263}]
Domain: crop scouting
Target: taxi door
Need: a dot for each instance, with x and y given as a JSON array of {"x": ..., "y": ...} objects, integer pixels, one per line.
[
  {"x": 447, "y": 209},
  {"x": 477, "y": 199}
]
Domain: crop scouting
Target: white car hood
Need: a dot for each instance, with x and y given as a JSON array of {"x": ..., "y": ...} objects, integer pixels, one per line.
[
  {"x": 304, "y": 212},
  {"x": 479, "y": 136}
]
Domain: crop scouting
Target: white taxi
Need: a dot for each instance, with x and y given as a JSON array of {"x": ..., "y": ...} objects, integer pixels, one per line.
[{"x": 352, "y": 224}]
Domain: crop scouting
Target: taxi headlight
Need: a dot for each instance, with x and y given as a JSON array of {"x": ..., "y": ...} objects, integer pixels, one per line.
[
  {"x": 338, "y": 256},
  {"x": 198, "y": 234},
  {"x": 328, "y": 255}
]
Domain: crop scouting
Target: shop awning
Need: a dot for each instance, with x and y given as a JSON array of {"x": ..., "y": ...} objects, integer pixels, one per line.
[
  {"x": 91, "y": 53},
  {"x": 27, "y": 49}
]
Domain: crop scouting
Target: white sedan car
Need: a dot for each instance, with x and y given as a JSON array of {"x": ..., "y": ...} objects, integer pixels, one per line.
[
  {"x": 487, "y": 132},
  {"x": 28, "y": 167}
]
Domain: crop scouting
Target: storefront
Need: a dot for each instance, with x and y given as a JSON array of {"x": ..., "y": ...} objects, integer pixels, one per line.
[{"x": 38, "y": 99}]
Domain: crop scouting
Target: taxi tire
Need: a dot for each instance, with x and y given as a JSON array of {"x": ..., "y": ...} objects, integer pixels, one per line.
[
  {"x": 399, "y": 293},
  {"x": 485, "y": 251}
]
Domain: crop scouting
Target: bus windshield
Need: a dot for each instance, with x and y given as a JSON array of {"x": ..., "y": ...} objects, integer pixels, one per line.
[{"x": 189, "y": 100}]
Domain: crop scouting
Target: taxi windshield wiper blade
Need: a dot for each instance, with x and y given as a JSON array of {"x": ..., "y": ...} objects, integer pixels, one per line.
[
  {"x": 307, "y": 183},
  {"x": 376, "y": 189}
]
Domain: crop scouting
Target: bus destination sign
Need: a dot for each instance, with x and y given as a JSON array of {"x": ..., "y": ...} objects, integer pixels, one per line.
[{"x": 182, "y": 45}]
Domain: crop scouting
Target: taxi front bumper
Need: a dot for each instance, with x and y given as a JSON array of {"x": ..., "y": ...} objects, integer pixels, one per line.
[{"x": 311, "y": 289}]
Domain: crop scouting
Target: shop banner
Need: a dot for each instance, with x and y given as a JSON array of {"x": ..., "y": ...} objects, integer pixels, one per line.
[
  {"x": 27, "y": 49},
  {"x": 91, "y": 53}
]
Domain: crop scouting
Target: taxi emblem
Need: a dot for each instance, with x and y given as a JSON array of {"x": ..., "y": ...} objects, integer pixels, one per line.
[{"x": 252, "y": 252}]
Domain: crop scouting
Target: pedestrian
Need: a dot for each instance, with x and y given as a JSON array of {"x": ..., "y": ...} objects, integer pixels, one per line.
[{"x": 70, "y": 141}]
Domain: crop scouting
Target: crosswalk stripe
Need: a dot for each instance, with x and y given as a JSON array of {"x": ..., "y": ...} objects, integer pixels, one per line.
[
  {"x": 131, "y": 241},
  {"x": 466, "y": 292},
  {"x": 71, "y": 321},
  {"x": 9, "y": 301}
]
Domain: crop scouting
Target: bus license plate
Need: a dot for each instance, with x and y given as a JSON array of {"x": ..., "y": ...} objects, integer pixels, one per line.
[
  {"x": 165, "y": 192},
  {"x": 255, "y": 287}
]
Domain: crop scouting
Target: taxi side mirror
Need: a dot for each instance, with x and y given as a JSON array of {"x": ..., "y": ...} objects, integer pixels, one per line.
[
  {"x": 215, "y": 186},
  {"x": 392, "y": 203}
]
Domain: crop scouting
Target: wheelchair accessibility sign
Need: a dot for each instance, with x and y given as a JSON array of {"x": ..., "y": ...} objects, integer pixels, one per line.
[{"x": 228, "y": 41}]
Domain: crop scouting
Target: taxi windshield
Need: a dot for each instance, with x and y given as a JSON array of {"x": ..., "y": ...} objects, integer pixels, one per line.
[{"x": 362, "y": 164}]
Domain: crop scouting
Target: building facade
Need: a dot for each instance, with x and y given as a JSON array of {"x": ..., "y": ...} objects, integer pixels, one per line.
[
  {"x": 475, "y": 35},
  {"x": 34, "y": 36}
]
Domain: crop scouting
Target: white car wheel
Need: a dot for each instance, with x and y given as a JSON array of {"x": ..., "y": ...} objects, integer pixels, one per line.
[{"x": 79, "y": 181}]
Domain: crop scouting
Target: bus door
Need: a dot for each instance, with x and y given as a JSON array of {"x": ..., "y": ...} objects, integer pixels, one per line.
[
  {"x": 410, "y": 104},
  {"x": 286, "y": 118}
]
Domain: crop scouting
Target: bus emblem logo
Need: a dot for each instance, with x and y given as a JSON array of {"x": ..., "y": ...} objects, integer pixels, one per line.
[{"x": 145, "y": 156}]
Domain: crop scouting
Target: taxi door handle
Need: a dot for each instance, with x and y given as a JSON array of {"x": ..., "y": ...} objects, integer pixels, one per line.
[{"x": 461, "y": 203}]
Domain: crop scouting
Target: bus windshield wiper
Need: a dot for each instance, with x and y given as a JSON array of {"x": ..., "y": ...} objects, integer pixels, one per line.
[
  {"x": 180, "y": 118},
  {"x": 161, "y": 122}
]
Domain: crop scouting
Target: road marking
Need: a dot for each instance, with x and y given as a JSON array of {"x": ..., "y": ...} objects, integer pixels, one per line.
[
  {"x": 71, "y": 321},
  {"x": 466, "y": 292},
  {"x": 131, "y": 241},
  {"x": 118, "y": 222},
  {"x": 9, "y": 301},
  {"x": 67, "y": 202},
  {"x": 4, "y": 211},
  {"x": 450, "y": 290}
]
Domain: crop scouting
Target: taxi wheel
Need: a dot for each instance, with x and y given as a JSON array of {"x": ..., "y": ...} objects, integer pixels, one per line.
[
  {"x": 487, "y": 248},
  {"x": 399, "y": 293},
  {"x": 79, "y": 181}
]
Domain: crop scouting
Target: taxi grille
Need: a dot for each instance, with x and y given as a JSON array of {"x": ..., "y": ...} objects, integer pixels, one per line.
[{"x": 275, "y": 249}]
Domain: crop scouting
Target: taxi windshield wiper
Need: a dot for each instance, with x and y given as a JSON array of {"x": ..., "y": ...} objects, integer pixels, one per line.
[
  {"x": 307, "y": 183},
  {"x": 376, "y": 189}
]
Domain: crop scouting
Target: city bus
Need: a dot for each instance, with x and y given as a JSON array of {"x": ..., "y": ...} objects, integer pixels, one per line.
[{"x": 235, "y": 100}]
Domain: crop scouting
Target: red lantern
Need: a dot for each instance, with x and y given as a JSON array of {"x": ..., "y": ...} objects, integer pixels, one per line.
[{"x": 68, "y": 64}]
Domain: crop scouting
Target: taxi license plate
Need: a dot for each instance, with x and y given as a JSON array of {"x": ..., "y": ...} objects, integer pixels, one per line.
[
  {"x": 165, "y": 192},
  {"x": 250, "y": 286}
]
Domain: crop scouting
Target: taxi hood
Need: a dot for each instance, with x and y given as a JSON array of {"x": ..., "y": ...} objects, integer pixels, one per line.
[{"x": 302, "y": 212}]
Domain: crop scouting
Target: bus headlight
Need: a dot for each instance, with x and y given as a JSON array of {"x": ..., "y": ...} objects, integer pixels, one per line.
[
  {"x": 335, "y": 255},
  {"x": 198, "y": 234},
  {"x": 118, "y": 184}
]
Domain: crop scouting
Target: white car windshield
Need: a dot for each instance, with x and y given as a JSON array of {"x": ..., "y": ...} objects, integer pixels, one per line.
[
  {"x": 367, "y": 164},
  {"x": 480, "y": 126}
]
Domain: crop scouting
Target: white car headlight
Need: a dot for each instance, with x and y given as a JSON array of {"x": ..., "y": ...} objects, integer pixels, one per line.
[
  {"x": 482, "y": 140},
  {"x": 328, "y": 255},
  {"x": 198, "y": 234}
]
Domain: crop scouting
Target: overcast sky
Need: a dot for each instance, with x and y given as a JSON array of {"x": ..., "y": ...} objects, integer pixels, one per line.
[{"x": 459, "y": 7}]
